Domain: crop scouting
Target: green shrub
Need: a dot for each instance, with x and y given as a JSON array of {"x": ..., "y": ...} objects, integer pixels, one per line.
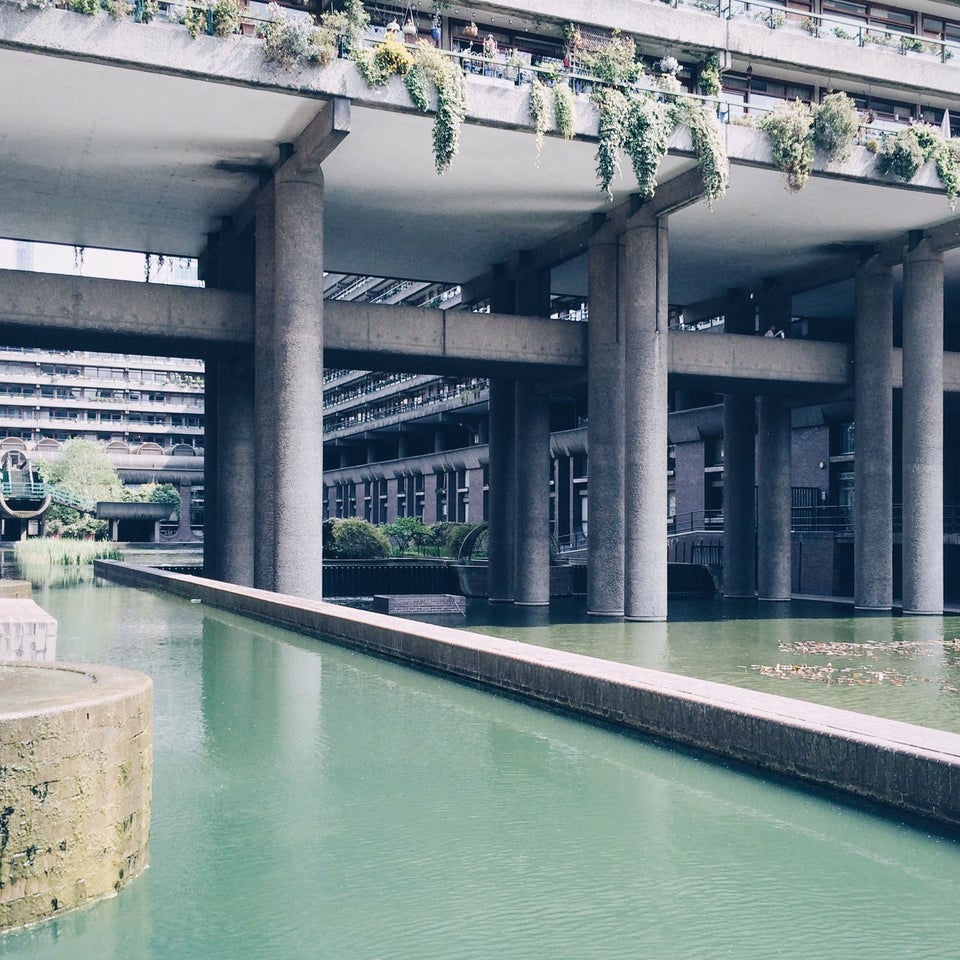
[
  {"x": 788, "y": 126},
  {"x": 835, "y": 125},
  {"x": 356, "y": 539},
  {"x": 901, "y": 154},
  {"x": 450, "y": 535}
]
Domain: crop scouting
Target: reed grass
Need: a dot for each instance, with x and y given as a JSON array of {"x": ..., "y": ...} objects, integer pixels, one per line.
[{"x": 54, "y": 551}]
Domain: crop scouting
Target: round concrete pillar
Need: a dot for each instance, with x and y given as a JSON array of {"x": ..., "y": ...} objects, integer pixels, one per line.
[
  {"x": 298, "y": 379},
  {"x": 235, "y": 474},
  {"x": 533, "y": 497},
  {"x": 923, "y": 432},
  {"x": 605, "y": 437},
  {"x": 739, "y": 516},
  {"x": 873, "y": 416},
  {"x": 773, "y": 503},
  {"x": 265, "y": 439},
  {"x": 643, "y": 299},
  {"x": 502, "y": 492}
]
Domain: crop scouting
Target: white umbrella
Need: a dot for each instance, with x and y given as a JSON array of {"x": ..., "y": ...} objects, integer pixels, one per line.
[{"x": 945, "y": 124}]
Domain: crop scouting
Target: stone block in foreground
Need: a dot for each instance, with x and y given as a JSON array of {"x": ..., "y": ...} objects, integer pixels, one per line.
[
  {"x": 76, "y": 765},
  {"x": 27, "y": 632}
]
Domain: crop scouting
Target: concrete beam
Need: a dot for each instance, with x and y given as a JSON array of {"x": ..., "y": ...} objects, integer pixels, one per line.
[
  {"x": 732, "y": 362},
  {"x": 323, "y": 135},
  {"x": 38, "y": 309},
  {"x": 371, "y": 336},
  {"x": 86, "y": 313}
]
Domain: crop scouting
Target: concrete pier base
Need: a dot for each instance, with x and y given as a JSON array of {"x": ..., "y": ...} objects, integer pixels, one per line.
[{"x": 76, "y": 767}]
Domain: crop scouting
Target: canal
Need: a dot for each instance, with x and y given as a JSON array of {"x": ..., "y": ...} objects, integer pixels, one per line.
[{"x": 314, "y": 802}]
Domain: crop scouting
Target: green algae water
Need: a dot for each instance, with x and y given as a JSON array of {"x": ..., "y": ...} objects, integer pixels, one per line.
[
  {"x": 310, "y": 802},
  {"x": 900, "y": 668}
]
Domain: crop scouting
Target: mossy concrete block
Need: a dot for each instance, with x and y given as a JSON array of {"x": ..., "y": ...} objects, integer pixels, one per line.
[{"x": 76, "y": 767}]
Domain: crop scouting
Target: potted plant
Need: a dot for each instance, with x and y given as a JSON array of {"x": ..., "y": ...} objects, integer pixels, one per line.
[{"x": 471, "y": 30}]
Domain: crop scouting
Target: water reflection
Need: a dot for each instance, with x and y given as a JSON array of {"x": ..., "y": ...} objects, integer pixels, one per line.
[{"x": 314, "y": 802}]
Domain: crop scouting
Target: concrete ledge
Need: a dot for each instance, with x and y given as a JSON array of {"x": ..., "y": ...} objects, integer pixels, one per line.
[{"x": 903, "y": 766}]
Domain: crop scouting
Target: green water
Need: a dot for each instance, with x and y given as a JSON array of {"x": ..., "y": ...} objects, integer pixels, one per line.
[
  {"x": 902, "y": 668},
  {"x": 310, "y": 802}
]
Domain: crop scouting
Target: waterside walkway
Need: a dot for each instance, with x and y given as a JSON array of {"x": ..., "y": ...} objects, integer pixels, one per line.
[{"x": 900, "y": 765}]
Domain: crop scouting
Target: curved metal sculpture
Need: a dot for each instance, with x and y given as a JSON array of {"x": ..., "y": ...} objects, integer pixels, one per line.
[{"x": 22, "y": 493}]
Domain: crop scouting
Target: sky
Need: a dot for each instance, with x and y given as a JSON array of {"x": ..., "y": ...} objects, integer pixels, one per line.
[{"x": 94, "y": 262}]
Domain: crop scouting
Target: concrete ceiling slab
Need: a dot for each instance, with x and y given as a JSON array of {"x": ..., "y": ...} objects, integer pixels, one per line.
[{"x": 97, "y": 154}]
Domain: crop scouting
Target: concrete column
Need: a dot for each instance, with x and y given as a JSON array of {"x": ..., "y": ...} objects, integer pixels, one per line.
[
  {"x": 298, "y": 379},
  {"x": 184, "y": 529},
  {"x": 502, "y": 491},
  {"x": 643, "y": 311},
  {"x": 739, "y": 467},
  {"x": 532, "y": 584},
  {"x": 774, "y": 565},
  {"x": 235, "y": 455},
  {"x": 211, "y": 539},
  {"x": 265, "y": 438},
  {"x": 605, "y": 436},
  {"x": 923, "y": 431},
  {"x": 873, "y": 416},
  {"x": 773, "y": 505},
  {"x": 739, "y": 522}
]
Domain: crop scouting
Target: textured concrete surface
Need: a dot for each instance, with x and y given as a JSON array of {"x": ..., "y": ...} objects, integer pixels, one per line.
[
  {"x": 27, "y": 632},
  {"x": 906, "y": 767},
  {"x": 76, "y": 766}
]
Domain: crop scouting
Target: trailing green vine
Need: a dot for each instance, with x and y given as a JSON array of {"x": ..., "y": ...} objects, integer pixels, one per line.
[
  {"x": 708, "y": 83},
  {"x": 418, "y": 86},
  {"x": 538, "y": 112},
  {"x": 447, "y": 77},
  {"x": 708, "y": 143},
  {"x": 640, "y": 124},
  {"x": 647, "y": 126},
  {"x": 903, "y": 153},
  {"x": 563, "y": 106},
  {"x": 614, "y": 108}
]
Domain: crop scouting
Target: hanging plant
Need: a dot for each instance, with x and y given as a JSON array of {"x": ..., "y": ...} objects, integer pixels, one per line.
[
  {"x": 901, "y": 154},
  {"x": 447, "y": 77},
  {"x": 418, "y": 86},
  {"x": 563, "y": 107},
  {"x": 835, "y": 125},
  {"x": 708, "y": 83},
  {"x": 946, "y": 155},
  {"x": 707, "y": 136},
  {"x": 788, "y": 126},
  {"x": 379, "y": 64},
  {"x": 614, "y": 61},
  {"x": 291, "y": 43},
  {"x": 611, "y": 129},
  {"x": 226, "y": 17},
  {"x": 538, "y": 112},
  {"x": 646, "y": 129}
]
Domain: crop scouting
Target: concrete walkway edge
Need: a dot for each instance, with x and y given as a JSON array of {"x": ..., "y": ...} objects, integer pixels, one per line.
[{"x": 906, "y": 767}]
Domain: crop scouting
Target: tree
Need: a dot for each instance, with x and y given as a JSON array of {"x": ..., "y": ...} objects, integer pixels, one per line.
[
  {"x": 84, "y": 469},
  {"x": 405, "y": 531}
]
